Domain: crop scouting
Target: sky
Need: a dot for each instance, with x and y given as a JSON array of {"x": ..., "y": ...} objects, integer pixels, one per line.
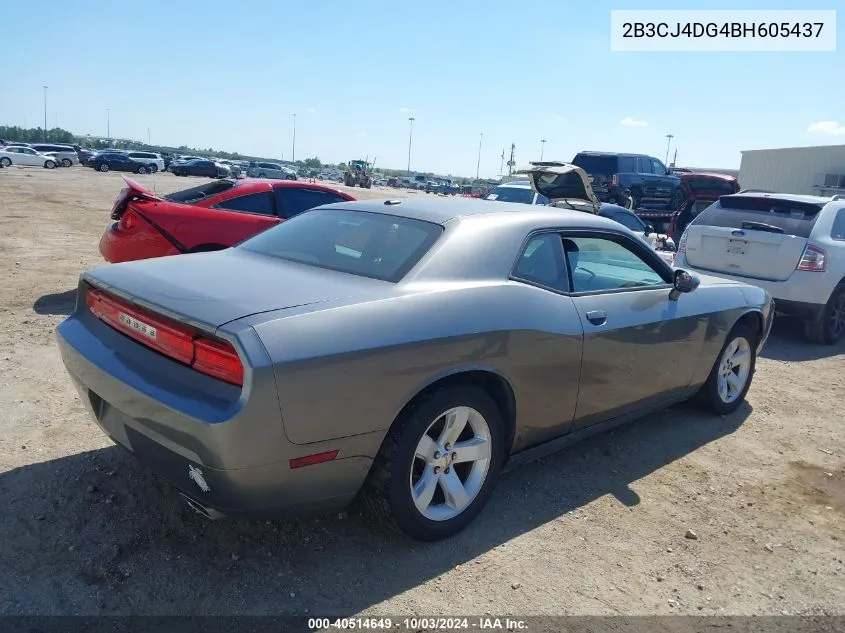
[{"x": 230, "y": 75}]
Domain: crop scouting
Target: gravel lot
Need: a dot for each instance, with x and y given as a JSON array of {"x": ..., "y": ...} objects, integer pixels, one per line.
[{"x": 601, "y": 528}]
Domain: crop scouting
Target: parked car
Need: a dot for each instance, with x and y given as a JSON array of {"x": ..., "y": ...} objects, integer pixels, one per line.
[
  {"x": 234, "y": 167},
  {"x": 270, "y": 170},
  {"x": 182, "y": 160},
  {"x": 652, "y": 184},
  {"x": 84, "y": 155},
  {"x": 212, "y": 369},
  {"x": 792, "y": 246},
  {"x": 116, "y": 161},
  {"x": 200, "y": 167},
  {"x": 519, "y": 192},
  {"x": 212, "y": 216},
  {"x": 153, "y": 161},
  {"x": 701, "y": 189},
  {"x": 65, "y": 155},
  {"x": 20, "y": 155}
]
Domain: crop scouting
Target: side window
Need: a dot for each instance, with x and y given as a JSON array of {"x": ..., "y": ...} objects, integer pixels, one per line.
[
  {"x": 541, "y": 262},
  {"x": 253, "y": 203},
  {"x": 658, "y": 167},
  {"x": 643, "y": 166},
  {"x": 26, "y": 150},
  {"x": 627, "y": 165},
  {"x": 291, "y": 201},
  {"x": 629, "y": 220},
  {"x": 838, "y": 230},
  {"x": 599, "y": 264}
]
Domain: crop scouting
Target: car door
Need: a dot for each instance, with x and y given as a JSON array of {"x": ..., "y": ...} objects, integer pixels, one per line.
[
  {"x": 663, "y": 182},
  {"x": 640, "y": 347},
  {"x": 32, "y": 157}
]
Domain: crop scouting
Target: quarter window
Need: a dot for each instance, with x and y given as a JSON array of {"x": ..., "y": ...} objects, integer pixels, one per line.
[
  {"x": 627, "y": 165},
  {"x": 541, "y": 262},
  {"x": 838, "y": 231},
  {"x": 601, "y": 264}
]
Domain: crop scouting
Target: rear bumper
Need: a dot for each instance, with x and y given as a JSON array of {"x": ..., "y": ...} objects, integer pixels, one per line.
[
  {"x": 802, "y": 288},
  {"x": 229, "y": 454},
  {"x": 143, "y": 242}
]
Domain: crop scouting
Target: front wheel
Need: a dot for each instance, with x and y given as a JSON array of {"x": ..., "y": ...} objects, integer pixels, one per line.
[
  {"x": 66, "y": 162},
  {"x": 49, "y": 164},
  {"x": 676, "y": 200},
  {"x": 438, "y": 463},
  {"x": 104, "y": 167},
  {"x": 6, "y": 161},
  {"x": 829, "y": 328},
  {"x": 731, "y": 376}
]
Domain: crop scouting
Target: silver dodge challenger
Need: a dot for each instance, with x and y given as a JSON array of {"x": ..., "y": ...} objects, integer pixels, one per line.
[{"x": 403, "y": 352}]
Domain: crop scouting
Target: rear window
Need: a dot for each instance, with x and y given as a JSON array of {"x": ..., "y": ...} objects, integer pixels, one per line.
[
  {"x": 761, "y": 214},
  {"x": 522, "y": 195},
  {"x": 719, "y": 186},
  {"x": 203, "y": 191},
  {"x": 371, "y": 245},
  {"x": 604, "y": 165}
]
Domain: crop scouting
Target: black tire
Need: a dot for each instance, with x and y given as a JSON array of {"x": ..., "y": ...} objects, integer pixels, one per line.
[
  {"x": 49, "y": 164},
  {"x": 103, "y": 167},
  {"x": 153, "y": 168},
  {"x": 6, "y": 161},
  {"x": 141, "y": 170},
  {"x": 829, "y": 328},
  {"x": 708, "y": 396},
  {"x": 387, "y": 491},
  {"x": 66, "y": 162},
  {"x": 636, "y": 198},
  {"x": 262, "y": 175}
]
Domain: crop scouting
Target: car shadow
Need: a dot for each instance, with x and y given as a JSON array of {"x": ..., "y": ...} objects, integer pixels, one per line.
[
  {"x": 61, "y": 303},
  {"x": 96, "y": 533},
  {"x": 787, "y": 342}
]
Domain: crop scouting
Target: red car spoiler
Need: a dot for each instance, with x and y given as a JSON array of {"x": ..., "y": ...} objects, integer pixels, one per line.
[{"x": 132, "y": 191}]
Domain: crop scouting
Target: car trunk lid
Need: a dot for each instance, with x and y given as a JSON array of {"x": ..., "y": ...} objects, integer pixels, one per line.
[
  {"x": 563, "y": 183},
  {"x": 708, "y": 186},
  {"x": 132, "y": 191},
  {"x": 760, "y": 237},
  {"x": 207, "y": 290}
]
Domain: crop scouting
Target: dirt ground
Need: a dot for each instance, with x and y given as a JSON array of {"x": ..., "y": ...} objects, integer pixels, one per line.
[{"x": 601, "y": 528}]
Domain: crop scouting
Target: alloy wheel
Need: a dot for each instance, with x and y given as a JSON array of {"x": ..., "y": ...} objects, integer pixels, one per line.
[
  {"x": 450, "y": 463},
  {"x": 837, "y": 317},
  {"x": 734, "y": 370}
]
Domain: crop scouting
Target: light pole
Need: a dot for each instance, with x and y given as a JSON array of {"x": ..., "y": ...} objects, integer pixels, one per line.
[
  {"x": 542, "y": 148},
  {"x": 293, "y": 146},
  {"x": 45, "y": 112},
  {"x": 410, "y": 138},
  {"x": 669, "y": 138},
  {"x": 108, "y": 124},
  {"x": 478, "y": 164}
]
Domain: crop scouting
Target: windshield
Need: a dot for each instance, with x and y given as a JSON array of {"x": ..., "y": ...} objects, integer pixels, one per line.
[
  {"x": 371, "y": 245},
  {"x": 523, "y": 195},
  {"x": 761, "y": 214},
  {"x": 203, "y": 191}
]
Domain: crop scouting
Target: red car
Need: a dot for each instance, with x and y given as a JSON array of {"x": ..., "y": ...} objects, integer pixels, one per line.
[
  {"x": 701, "y": 189},
  {"x": 210, "y": 217}
]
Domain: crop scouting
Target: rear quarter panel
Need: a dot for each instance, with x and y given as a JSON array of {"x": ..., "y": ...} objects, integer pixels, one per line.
[{"x": 350, "y": 369}]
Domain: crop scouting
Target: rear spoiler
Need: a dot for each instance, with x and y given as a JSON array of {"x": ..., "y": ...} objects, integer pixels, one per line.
[{"x": 132, "y": 191}]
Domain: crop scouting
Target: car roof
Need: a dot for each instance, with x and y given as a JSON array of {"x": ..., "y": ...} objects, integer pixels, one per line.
[
  {"x": 590, "y": 153},
  {"x": 444, "y": 211},
  {"x": 689, "y": 175}
]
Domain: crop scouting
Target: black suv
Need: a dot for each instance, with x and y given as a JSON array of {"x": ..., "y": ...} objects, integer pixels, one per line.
[{"x": 652, "y": 184}]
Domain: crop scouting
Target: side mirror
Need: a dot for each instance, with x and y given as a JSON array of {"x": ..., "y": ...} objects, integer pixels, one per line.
[
  {"x": 682, "y": 283},
  {"x": 649, "y": 229}
]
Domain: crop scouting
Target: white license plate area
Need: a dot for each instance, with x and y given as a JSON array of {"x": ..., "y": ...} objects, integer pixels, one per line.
[
  {"x": 737, "y": 247},
  {"x": 139, "y": 326}
]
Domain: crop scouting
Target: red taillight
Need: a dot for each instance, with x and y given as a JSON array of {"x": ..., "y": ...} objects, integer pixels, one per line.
[
  {"x": 218, "y": 359},
  {"x": 813, "y": 259},
  {"x": 128, "y": 220},
  {"x": 309, "y": 460},
  {"x": 682, "y": 243},
  {"x": 213, "y": 358}
]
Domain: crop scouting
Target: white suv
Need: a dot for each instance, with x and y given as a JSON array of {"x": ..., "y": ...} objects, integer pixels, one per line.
[
  {"x": 154, "y": 161},
  {"x": 792, "y": 246}
]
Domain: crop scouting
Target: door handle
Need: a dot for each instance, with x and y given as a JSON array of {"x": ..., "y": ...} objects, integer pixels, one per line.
[{"x": 597, "y": 317}]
